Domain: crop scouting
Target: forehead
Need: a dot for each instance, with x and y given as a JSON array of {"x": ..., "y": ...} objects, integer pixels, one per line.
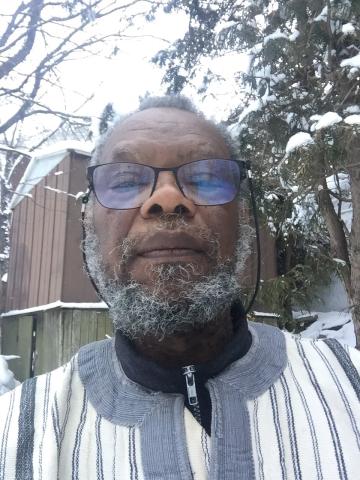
[{"x": 164, "y": 133}]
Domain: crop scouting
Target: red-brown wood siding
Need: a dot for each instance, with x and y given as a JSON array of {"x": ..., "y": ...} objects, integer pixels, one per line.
[
  {"x": 59, "y": 230},
  {"x": 23, "y": 253},
  {"x": 76, "y": 285},
  {"x": 37, "y": 232},
  {"x": 27, "y": 247},
  {"x": 10, "y": 291},
  {"x": 45, "y": 256}
]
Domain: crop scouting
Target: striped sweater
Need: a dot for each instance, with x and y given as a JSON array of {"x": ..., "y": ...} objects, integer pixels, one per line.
[{"x": 288, "y": 409}]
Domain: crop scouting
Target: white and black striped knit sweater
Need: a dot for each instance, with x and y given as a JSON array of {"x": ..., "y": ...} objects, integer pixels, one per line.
[{"x": 288, "y": 409}]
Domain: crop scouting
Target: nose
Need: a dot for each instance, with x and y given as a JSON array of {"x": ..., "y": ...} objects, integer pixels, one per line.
[{"x": 167, "y": 198}]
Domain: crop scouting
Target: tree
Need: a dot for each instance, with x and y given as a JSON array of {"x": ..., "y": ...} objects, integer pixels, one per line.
[
  {"x": 298, "y": 121},
  {"x": 37, "y": 37}
]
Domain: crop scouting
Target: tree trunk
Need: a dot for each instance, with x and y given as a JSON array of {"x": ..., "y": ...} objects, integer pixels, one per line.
[
  {"x": 338, "y": 242},
  {"x": 354, "y": 172}
]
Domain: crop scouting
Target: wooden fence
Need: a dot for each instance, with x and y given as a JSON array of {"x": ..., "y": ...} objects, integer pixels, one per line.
[{"x": 45, "y": 340}]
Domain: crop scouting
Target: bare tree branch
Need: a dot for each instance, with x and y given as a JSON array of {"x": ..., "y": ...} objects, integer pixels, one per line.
[{"x": 35, "y": 7}]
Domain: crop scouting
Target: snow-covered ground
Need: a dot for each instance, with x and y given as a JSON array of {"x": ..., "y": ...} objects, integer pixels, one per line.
[
  {"x": 7, "y": 379},
  {"x": 331, "y": 325}
]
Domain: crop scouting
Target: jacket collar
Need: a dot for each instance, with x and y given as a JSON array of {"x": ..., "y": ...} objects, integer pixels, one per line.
[
  {"x": 125, "y": 402},
  {"x": 171, "y": 380}
]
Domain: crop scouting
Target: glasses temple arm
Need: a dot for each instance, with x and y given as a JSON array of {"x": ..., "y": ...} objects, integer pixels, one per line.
[{"x": 257, "y": 234}]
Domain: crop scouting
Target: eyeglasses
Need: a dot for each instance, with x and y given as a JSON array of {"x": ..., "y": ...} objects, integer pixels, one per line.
[{"x": 124, "y": 185}]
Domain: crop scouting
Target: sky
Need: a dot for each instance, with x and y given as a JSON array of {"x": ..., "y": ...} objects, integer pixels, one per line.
[
  {"x": 125, "y": 77},
  {"x": 129, "y": 74},
  {"x": 121, "y": 79}
]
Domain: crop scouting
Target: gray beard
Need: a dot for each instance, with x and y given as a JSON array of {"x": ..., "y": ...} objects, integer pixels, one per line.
[{"x": 193, "y": 303}]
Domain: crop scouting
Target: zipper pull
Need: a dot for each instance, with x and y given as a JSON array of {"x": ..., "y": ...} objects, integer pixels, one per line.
[{"x": 188, "y": 372}]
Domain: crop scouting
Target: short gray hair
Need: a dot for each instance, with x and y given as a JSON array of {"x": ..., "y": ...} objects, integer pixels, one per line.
[{"x": 168, "y": 101}]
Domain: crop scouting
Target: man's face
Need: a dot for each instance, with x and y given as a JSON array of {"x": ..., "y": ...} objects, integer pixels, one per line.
[
  {"x": 168, "y": 229},
  {"x": 168, "y": 266}
]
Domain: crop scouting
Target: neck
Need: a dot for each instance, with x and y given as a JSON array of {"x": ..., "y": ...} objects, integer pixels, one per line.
[{"x": 193, "y": 347}]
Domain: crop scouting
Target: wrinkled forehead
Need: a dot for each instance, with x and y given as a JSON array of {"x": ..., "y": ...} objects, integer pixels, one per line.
[{"x": 169, "y": 131}]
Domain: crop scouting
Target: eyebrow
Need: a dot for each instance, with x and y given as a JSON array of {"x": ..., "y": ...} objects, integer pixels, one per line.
[{"x": 123, "y": 154}]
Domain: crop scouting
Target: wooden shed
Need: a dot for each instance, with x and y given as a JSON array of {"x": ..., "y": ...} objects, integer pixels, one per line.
[
  {"x": 45, "y": 261},
  {"x": 51, "y": 306}
]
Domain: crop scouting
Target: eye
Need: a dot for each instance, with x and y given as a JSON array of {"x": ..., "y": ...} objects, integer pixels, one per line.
[
  {"x": 127, "y": 180},
  {"x": 205, "y": 179}
]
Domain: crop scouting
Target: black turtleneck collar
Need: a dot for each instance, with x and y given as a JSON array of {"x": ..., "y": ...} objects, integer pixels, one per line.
[{"x": 171, "y": 380}]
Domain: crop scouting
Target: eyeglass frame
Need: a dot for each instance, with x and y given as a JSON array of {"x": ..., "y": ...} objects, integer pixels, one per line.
[{"x": 243, "y": 169}]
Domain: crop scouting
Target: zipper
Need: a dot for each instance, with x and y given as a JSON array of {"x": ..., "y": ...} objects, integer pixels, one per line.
[{"x": 189, "y": 373}]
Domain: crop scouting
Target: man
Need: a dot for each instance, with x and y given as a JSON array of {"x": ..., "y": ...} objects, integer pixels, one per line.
[{"x": 187, "y": 389}]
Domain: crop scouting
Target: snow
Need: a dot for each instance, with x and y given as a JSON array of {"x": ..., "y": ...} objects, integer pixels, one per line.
[
  {"x": 255, "y": 106},
  {"x": 352, "y": 120},
  {"x": 79, "y": 195},
  {"x": 85, "y": 148},
  {"x": 352, "y": 109},
  {"x": 322, "y": 15},
  {"x": 7, "y": 379},
  {"x": 56, "y": 190},
  {"x": 60, "y": 172},
  {"x": 328, "y": 87},
  {"x": 274, "y": 36},
  {"x": 16, "y": 163},
  {"x": 351, "y": 62},
  {"x": 342, "y": 179},
  {"x": 348, "y": 29},
  {"x": 6, "y": 148},
  {"x": 4, "y": 278},
  {"x": 327, "y": 120},
  {"x": 58, "y": 304},
  {"x": 43, "y": 162},
  {"x": 326, "y": 321},
  {"x": 299, "y": 140},
  {"x": 256, "y": 49},
  {"x": 340, "y": 261},
  {"x": 221, "y": 26},
  {"x": 294, "y": 35},
  {"x": 266, "y": 314}
]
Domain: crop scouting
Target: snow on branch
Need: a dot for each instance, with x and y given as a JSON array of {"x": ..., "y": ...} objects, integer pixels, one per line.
[
  {"x": 299, "y": 140},
  {"x": 352, "y": 120},
  {"x": 327, "y": 120},
  {"x": 275, "y": 36},
  {"x": 353, "y": 62}
]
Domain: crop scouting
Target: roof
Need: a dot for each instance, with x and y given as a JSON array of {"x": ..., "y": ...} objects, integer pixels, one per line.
[
  {"x": 42, "y": 162},
  {"x": 57, "y": 304}
]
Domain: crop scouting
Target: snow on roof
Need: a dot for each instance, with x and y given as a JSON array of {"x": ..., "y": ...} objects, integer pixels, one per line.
[
  {"x": 327, "y": 120},
  {"x": 42, "y": 162},
  {"x": 299, "y": 140},
  {"x": 58, "y": 304}
]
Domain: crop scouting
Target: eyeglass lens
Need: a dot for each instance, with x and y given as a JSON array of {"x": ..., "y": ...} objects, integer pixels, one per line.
[
  {"x": 129, "y": 185},
  {"x": 210, "y": 182}
]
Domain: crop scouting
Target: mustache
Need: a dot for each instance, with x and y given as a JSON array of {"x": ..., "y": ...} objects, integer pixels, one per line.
[{"x": 129, "y": 247}]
